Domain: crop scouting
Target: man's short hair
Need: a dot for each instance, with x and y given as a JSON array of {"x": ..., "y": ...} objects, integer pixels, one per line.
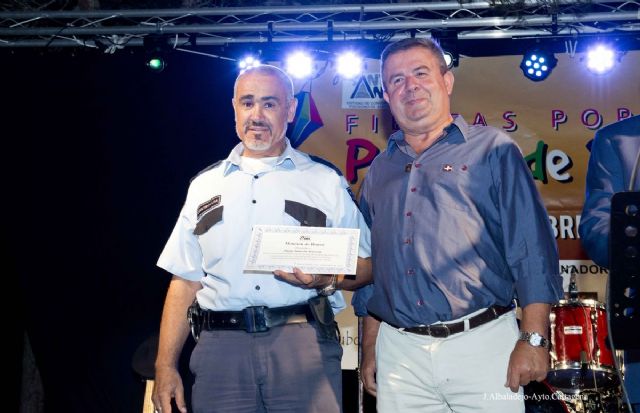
[
  {"x": 410, "y": 43},
  {"x": 269, "y": 70}
]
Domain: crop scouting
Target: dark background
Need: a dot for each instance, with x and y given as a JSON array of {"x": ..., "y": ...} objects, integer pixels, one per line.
[{"x": 98, "y": 153}]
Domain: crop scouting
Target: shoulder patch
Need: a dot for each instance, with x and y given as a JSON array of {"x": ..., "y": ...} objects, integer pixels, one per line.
[
  {"x": 208, "y": 168},
  {"x": 326, "y": 163}
]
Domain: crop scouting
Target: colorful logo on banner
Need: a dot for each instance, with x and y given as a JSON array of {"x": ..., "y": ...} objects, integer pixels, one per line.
[{"x": 306, "y": 121}]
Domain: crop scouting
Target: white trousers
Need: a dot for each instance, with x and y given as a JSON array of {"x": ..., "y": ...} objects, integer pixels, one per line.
[{"x": 463, "y": 373}]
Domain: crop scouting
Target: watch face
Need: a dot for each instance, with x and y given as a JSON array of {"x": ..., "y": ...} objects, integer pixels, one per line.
[{"x": 535, "y": 340}]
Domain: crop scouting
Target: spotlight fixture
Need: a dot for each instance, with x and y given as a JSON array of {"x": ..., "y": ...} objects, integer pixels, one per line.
[
  {"x": 538, "y": 64},
  {"x": 449, "y": 59},
  {"x": 156, "y": 63},
  {"x": 248, "y": 62},
  {"x": 156, "y": 47},
  {"x": 349, "y": 65},
  {"x": 600, "y": 59},
  {"x": 299, "y": 65},
  {"x": 448, "y": 41}
]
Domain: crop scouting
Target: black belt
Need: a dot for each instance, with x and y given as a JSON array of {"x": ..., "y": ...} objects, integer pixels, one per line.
[
  {"x": 256, "y": 319},
  {"x": 445, "y": 330}
]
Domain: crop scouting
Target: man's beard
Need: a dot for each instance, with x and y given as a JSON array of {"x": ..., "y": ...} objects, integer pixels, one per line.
[{"x": 257, "y": 145}]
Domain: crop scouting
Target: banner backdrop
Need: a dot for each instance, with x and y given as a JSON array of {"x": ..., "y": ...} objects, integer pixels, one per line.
[{"x": 347, "y": 122}]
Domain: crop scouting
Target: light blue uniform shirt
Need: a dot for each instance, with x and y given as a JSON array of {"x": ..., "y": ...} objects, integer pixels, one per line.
[
  {"x": 210, "y": 240},
  {"x": 455, "y": 229}
]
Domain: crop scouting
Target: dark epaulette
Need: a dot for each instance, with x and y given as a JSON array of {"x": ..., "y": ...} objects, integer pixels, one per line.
[
  {"x": 336, "y": 170},
  {"x": 208, "y": 168},
  {"x": 326, "y": 163}
]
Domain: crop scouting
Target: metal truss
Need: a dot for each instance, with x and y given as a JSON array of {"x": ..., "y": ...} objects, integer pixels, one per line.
[{"x": 468, "y": 20}]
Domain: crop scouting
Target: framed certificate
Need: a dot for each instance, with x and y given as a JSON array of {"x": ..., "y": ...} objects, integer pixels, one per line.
[{"x": 314, "y": 250}]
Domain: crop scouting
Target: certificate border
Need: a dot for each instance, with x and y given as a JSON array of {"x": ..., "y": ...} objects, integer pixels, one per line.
[{"x": 259, "y": 231}]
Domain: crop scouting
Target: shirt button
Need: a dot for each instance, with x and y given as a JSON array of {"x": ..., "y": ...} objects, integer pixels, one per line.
[
  {"x": 409, "y": 213},
  {"x": 418, "y": 165},
  {"x": 253, "y": 201},
  {"x": 413, "y": 189},
  {"x": 407, "y": 241},
  {"x": 410, "y": 271},
  {"x": 257, "y": 287},
  {"x": 256, "y": 176},
  {"x": 420, "y": 303}
]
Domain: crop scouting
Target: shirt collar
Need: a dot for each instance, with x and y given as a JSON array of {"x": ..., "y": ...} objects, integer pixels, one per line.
[
  {"x": 455, "y": 128},
  {"x": 287, "y": 159}
]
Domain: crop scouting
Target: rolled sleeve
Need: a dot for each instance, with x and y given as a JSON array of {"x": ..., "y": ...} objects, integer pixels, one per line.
[{"x": 530, "y": 247}]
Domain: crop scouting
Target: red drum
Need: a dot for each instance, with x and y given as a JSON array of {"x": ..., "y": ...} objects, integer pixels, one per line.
[{"x": 580, "y": 354}]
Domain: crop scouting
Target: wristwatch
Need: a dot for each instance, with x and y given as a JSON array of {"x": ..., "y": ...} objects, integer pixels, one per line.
[
  {"x": 534, "y": 339},
  {"x": 329, "y": 289}
]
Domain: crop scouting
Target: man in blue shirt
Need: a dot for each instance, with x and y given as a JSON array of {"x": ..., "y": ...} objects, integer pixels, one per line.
[
  {"x": 458, "y": 231},
  {"x": 267, "y": 344},
  {"x": 614, "y": 166}
]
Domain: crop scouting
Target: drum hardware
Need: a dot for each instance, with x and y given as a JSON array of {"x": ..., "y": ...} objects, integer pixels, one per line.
[
  {"x": 544, "y": 398},
  {"x": 580, "y": 359},
  {"x": 584, "y": 368}
]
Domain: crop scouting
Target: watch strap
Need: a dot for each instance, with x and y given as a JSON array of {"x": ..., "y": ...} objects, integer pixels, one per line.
[{"x": 534, "y": 339}]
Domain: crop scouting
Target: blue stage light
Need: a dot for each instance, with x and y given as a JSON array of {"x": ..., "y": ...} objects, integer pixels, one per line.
[
  {"x": 538, "y": 64},
  {"x": 248, "y": 62}
]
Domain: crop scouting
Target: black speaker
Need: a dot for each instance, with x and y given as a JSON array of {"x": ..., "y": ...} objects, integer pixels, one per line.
[{"x": 624, "y": 276}]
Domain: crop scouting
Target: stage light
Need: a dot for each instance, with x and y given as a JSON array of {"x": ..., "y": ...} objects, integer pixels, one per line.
[
  {"x": 449, "y": 59},
  {"x": 538, "y": 64},
  {"x": 349, "y": 65},
  {"x": 600, "y": 59},
  {"x": 248, "y": 63},
  {"x": 156, "y": 63},
  {"x": 299, "y": 65},
  {"x": 156, "y": 47},
  {"x": 448, "y": 41}
]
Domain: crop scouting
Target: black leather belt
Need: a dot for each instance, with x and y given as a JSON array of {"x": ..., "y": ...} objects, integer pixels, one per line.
[
  {"x": 445, "y": 330},
  {"x": 256, "y": 319}
]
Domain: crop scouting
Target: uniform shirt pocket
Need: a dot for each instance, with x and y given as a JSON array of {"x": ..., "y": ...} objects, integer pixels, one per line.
[
  {"x": 208, "y": 220},
  {"x": 308, "y": 216}
]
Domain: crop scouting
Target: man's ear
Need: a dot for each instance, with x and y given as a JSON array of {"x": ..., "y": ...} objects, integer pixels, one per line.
[
  {"x": 448, "y": 81},
  {"x": 292, "y": 110}
]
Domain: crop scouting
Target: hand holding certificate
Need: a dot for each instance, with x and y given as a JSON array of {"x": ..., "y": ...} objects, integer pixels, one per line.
[{"x": 314, "y": 250}]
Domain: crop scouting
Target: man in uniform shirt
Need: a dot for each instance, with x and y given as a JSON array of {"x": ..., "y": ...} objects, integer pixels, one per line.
[
  {"x": 268, "y": 344},
  {"x": 457, "y": 231}
]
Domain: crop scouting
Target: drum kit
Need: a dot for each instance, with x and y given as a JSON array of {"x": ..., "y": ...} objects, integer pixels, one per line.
[{"x": 582, "y": 376}]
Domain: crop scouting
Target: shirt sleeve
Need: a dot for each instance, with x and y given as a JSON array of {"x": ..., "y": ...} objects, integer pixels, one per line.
[
  {"x": 350, "y": 217},
  {"x": 360, "y": 299},
  {"x": 362, "y": 295},
  {"x": 181, "y": 255},
  {"x": 530, "y": 248},
  {"x": 604, "y": 178}
]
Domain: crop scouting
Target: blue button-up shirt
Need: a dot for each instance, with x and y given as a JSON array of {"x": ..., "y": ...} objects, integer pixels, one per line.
[
  {"x": 455, "y": 229},
  {"x": 613, "y": 157}
]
